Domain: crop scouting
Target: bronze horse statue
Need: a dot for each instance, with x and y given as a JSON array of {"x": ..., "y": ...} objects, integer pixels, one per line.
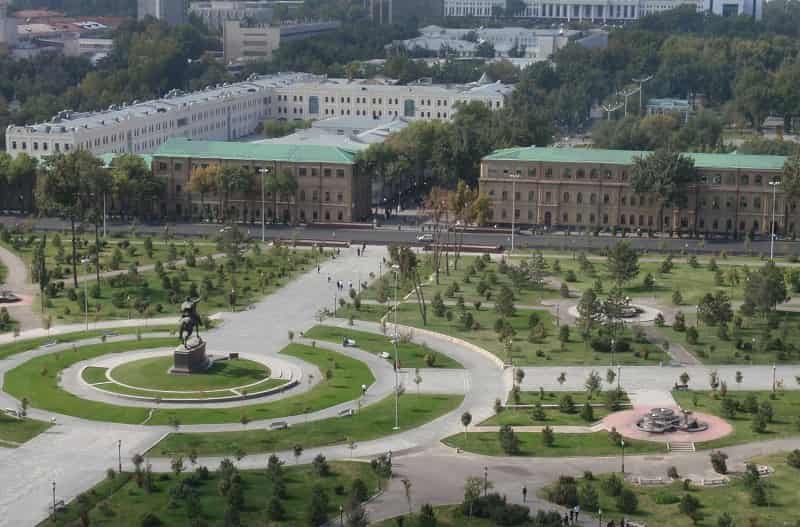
[{"x": 190, "y": 320}]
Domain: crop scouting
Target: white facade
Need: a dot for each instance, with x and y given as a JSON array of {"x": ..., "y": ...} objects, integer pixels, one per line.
[
  {"x": 173, "y": 12},
  {"x": 596, "y": 10},
  {"x": 230, "y": 112},
  {"x": 753, "y": 8},
  {"x": 216, "y": 12}
]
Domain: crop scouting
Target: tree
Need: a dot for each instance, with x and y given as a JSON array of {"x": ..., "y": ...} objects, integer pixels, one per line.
[
  {"x": 719, "y": 461},
  {"x": 427, "y": 516},
  {"x": 466, "y": 419},
  {"x": 504, "y": 304},
  {"x": 588, "y": 498},
  {"x": 627, "y": 501},
  {"x": 202, "y": 181},
  {"x": 666, "y": 174},
  {"x": 508, "y": 440},
  {"x": 715, "y": 308},
  {"x": 589, "y": 311},
  {"x": 134, "y": 187},
  {"x": 793, "y": 458},
  {"x": 623, "y": 263},
  {"x": 587, "y": 412},
  {"x": 689, "y": 505},
  {"x": 593, "y": 383},
  {"x": 318, "y": 508},
  {"x": 764, "y": 290}
]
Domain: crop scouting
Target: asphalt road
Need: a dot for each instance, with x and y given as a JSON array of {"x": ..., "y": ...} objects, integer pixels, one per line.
[{"x": 407, "y": 234}]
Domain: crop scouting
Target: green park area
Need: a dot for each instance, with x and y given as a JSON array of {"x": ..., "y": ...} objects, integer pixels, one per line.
[
  {"x": 562, "y": 408},
  {"x": 410, "y": 354},
  {"x": 369, "y": 422},
  {"x": 755, "y": 416},
  {"x": 280, "y": 496},
  {"x": 747, "y": 500},
  {"x": 231, "y": 282},
  {"x": 153, "y": 373},
  {"x": 37, "y": 379},
  {"x": 535, "y": 444},
  {"x": 15, "y": 431}
]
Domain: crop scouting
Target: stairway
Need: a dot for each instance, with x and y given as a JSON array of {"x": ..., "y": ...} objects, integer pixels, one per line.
[{"x": 681, "y": 447}]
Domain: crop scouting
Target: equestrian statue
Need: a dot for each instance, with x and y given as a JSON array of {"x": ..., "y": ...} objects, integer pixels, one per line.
[{"x": 190, "y": 320}]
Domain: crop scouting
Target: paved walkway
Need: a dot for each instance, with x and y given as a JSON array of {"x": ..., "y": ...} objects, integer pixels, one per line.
[{"x": 16, "y": 280}]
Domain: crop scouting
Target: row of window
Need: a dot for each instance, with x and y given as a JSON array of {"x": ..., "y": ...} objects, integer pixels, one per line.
[
  {"x": 23, "y": 145},
  {"x": 566, "y": 197},
  {"x": 594, "y": 173}
]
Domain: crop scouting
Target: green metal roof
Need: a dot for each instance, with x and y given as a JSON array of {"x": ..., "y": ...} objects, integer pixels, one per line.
[
  {"x": 108, "y": 158},
  {"x": 627, "y": 157},
  {"x": 179, "y": 147}
]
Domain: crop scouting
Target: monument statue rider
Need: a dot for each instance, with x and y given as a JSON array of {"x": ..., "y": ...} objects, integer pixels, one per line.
[{"x": 190, "y": 320}]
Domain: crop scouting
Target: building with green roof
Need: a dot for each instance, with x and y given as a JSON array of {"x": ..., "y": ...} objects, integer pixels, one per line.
[
  {"x": 301, "y": 183},
  {"x": 589, "y": 189}
]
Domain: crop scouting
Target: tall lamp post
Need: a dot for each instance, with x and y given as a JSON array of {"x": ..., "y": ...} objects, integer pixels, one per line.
[
  {"x": 514, "y": 178},
  {"x": 396, "y": 269},
  {"x": 54, "y": 501},
  {"x": 622, "y": 467},
  {"x": 85, "y": 263},
  {"x": 774, "y": 184},
  {"x": 641, "y": 81},
  {"x": 119, "y": 455},
  {"x": 263, "y": 172}
]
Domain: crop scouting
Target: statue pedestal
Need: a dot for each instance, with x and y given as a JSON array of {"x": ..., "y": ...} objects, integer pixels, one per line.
[{"x": 190, "y": 358}]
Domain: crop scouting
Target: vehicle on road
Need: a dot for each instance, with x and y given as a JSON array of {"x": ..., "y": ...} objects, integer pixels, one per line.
[{"x": 425, "y": 238}]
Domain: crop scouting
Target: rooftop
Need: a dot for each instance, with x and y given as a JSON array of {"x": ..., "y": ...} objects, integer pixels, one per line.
[
  {"x": 255, "y": 151},
  {"x": 682, "y": 104},
  {"x": 627, "y": 157},
  {"x": 109, "y": 158}
]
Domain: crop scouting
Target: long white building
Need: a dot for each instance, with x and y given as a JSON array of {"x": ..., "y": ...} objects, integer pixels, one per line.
[
  {"x": 229, "y": 112},
  {"x": 600, "y": 10}
]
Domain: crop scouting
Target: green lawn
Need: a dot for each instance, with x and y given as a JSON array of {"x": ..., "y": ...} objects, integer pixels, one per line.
[
  {"x": 262, "y": 386},
  {"x": 153, "y": 373},
  {"x": 58, "y": 251},
  {"x": 752, "y": 336},
  {"x": 410, "y": 355},
  {"x": 541, "y": 352},
  {"x": 371, "y": 422},
  {"x": 94, "y": 374},
  {"x": 37, "y": 380},
  {"x": 553, "y": 416},
  {"x": 785, "y": 423},
  {"x": 22, "y": 345},
  {"x": 554, "y": 397},
  {"x": 121, "y": 503},
  {"x": 566, "y": 445},
  {"x": 658, "y": 505},
  {"x": 19, "y": 431},
  {"x": 147, "y": 294}
]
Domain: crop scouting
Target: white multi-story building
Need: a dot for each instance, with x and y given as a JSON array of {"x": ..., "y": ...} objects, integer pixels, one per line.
[
  {"x": 216, "y": 12},
  {"x": 229, "y": 112},
  {"x": 173, "y": 12},
  {"x": 599, "y": 10}
]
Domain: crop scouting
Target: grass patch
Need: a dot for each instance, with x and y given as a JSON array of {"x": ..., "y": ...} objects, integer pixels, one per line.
[
  {"x": 264, "y": 385},
  {"x": 410, "y": 355},
  {"x": 20, "y": 346},
  {"x": 94, "y": 374},
  {"x": 153, "y": 373},
  {"x": 566, "y": 445},
  {"x": 18, "y": 431},
  {"x": 781, "y": 488},
  {"x": 371, "y": 422},
  {"x": 124, "y": 503},
  {"x": 37, "y": 380},
  {"x": 785, "y": 421}
]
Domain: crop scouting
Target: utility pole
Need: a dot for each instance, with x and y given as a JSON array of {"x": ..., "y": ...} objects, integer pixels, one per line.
[
  {"x": 774, "y": 184},
  {"x": 640, "y": 81},
  {"x": 514, "y": 178},
  {"x": 610, "y": 108},
  {"x": 626, "y": 94}
]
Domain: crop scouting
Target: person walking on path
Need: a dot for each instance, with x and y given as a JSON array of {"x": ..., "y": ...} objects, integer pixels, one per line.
[{"x": 524, "y": 494}]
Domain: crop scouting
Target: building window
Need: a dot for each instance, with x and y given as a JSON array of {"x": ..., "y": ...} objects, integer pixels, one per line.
[
  {"x": 567, "y": 174},
  {"x": 326, "y": 172},
  {"x": 592, "y": 198},
  {"x": 531, "y": 172},
  {"x": 504, "y": 196},
  {"x": 745, "y": 179},
  {"x": 606, "y": 198},
  {"x": 530, "y": 195},
  {"x": 580, "y": 174},
  {"x": 757, "y": 202},
  {"x": 759, "y": 179},
  {"x": 565, "y": 218},
  {"x": 327, "y": 196},
  {"x": 579, "y": 197},
  {"x": 548, "y": 172},
  {"x": 547, "y": 197},
  {"x": 579, "y": 218},
  {"x": 339, "y": 197},
  {"x": 566, "y": 197},
  {"x": 339, "y": 172},
  {"x": 301, "y": 172}
]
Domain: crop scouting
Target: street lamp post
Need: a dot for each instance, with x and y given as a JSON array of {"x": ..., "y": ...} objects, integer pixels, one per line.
[
  {"x": 396, "y": 269},
  {"x": 600, "y": 514},
  {"x": 774, "y": 367},
  {"x": 54, "y": 501},
  {"x": 619, "y": 376},
  {"x": 612, "y": 351},
  {"x": 341, "y": 515},
  {"x": 485, "y": 480},
  {"x": 85, "y": 263},
  {"x": 514, "y": 178},
  {"x": 119, "y": 455},
  {"x": 622, "y": 467},
  {"x": 263, "y": 172},
  {"x": 774, "y": 184}
]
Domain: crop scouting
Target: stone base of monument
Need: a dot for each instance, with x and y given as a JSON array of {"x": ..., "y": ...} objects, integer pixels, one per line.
[{"x": 190, "y": 358}]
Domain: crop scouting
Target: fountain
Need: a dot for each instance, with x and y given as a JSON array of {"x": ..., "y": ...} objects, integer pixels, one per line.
[{"x": 665, "y": 420}]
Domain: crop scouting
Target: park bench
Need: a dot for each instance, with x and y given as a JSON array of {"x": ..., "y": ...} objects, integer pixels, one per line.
[
  {"x": 347, "y": 412},
  {"x": 279, "y": 425}
]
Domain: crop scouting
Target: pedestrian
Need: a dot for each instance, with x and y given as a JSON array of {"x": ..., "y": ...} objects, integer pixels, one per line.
[
  {"x": 358, "y": 251},
  {"x": 524, "y": 494},
  {"x": 350, "y": 284},
  {"x": 566, "y": 519},
  {"x": 329, "y": 279},
  {"x": 577, "y": 512},
  {"x": 318, "y": 269},
  {"x": 571, "y": 515}
]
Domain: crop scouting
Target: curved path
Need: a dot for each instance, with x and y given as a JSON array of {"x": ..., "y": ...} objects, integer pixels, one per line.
[
  {"x": 16, "y": 280},
  {"x": 75, "y": 452}
]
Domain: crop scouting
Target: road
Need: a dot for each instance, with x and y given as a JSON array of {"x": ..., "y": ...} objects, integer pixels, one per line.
[{"x": 406, "y": 234}]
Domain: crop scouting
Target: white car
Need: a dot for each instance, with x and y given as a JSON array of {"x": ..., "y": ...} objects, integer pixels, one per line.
[{"x": 425, "y": 238}]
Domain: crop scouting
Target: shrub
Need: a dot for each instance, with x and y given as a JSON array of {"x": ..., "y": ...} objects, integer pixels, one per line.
[
  {"x": 719, "y": 461},
  {"x": 588, "y": 498},
  {"x": 508, "y": 440},
  {"x": 587, "y": 412},
  {"x": 627, "y": 501},
  {"x": 665, "y": 498},
  {"x": 566, "y": 404},
  {"x": 564, "y": 492},
  {"x": 612, "y": 485},
  {"x": 548, "y": 436},
  {"x": 793, "y": 459},
  {"x": 689, "y": 505},
  {"x": 691, "y": 335}
]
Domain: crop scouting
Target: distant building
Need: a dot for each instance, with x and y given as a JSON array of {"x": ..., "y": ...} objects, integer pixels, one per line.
[
  {"x": 173, "y": 12},
  {"x": 681, "y": 107},
  {"x": 244, "y": 41},
  {"x": 609, "y": 10},
  {"x": 229, "y": 112},
  {"x": 216, "y": 12},
  {"x": 537, "y": 44},
  {"x": 400, "y": 11}
]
